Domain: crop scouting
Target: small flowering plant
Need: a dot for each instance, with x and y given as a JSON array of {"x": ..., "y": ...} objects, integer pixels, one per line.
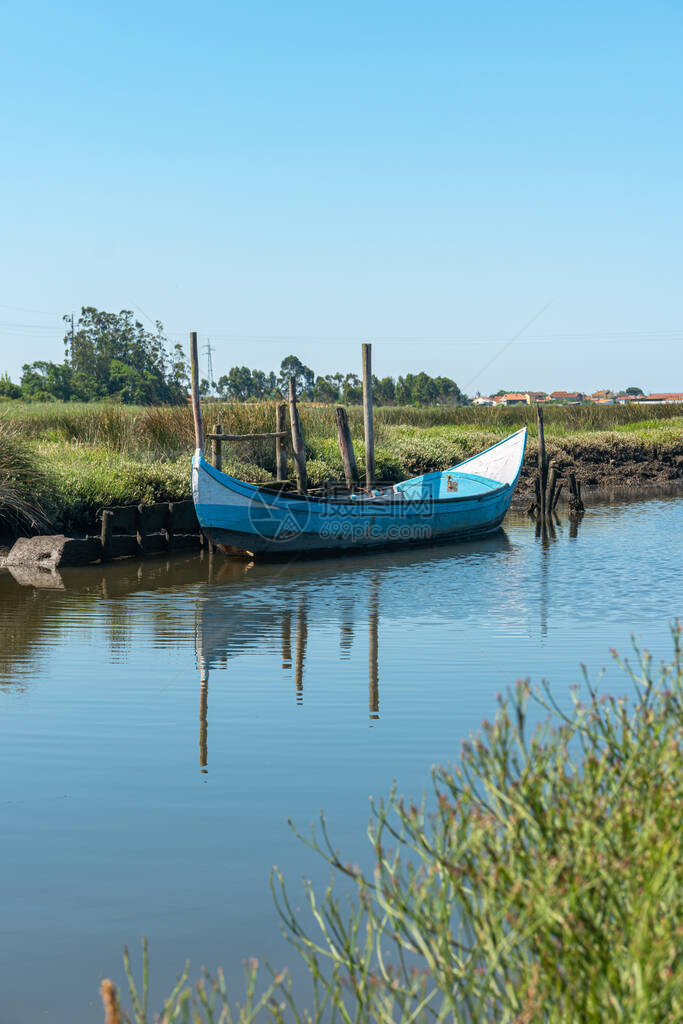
[{"x": 542, "y": 881}]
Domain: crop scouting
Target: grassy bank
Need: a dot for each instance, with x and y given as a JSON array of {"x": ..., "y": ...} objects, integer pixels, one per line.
[
  {"x": 87, "y": 456},
  {"x": 543, "y": 881}
]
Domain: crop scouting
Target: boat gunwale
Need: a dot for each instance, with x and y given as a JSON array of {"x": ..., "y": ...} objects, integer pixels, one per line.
[
  {"x": 360, "y": 504},
  {"x": 364, "y": 504}
]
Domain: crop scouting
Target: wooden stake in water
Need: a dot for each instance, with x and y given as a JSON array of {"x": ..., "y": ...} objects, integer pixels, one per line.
[
  {"x": 550, "y": 499},
  {"x": 105, "y": 535},
  {"x": 367, "y": 416},
  {"x": 346, "y": 446},
  {"x": 542, "y": 466},
  {"x": 194, "y": 378}
]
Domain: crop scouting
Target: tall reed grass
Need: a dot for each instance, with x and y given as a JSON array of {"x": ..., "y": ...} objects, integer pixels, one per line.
[
  {"x": 542, "y": 881},
  {"x": 20, "y": 479},
  {"x": 168, "y": 429}
]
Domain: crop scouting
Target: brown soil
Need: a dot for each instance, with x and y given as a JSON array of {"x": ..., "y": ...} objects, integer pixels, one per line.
[{"x": 629, "y": 467}]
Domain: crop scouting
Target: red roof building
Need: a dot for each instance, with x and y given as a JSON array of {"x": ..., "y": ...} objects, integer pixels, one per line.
[{"x": 568, "y": 397}]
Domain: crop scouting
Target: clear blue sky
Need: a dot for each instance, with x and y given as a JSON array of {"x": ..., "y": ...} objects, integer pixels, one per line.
[{"x": 298, "y": 177}]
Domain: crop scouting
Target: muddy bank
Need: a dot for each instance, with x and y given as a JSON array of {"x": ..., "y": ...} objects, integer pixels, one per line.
[{"x": 626, "y": 467}]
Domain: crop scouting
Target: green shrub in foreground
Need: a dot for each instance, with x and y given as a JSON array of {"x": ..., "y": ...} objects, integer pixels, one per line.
[{"x": 545, "y": 884}]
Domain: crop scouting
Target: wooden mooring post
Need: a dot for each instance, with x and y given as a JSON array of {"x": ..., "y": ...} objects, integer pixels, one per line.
[
  {"x": 217, "y": 447},
  {"x": 346, "y": 447},
  {"x": 196, "y": 407},
  {"x": 548, "y": 485},
  {"x": 542, "y": 464},
  {"x": 298, "y": 449},
  {"x": 550, "y": 492},
  {"x": 367, "y": 416},
  {"x": 576, "y": 505},
  {"x": 106, "y": 532},
  {"x": 280, "y": 447}
]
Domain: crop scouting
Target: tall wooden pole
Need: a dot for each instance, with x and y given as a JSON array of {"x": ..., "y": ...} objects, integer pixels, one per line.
[
  {"x": 298, "y": 449},
  {"x": 280, "y": 448},
  {"x": 196, "y": 408},
  {"x": 346, "y": 446},
  {"x": 367, "y": 416}
]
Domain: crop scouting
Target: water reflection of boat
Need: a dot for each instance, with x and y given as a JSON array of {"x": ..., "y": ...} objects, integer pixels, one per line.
[{"x": 246, "y": 606}]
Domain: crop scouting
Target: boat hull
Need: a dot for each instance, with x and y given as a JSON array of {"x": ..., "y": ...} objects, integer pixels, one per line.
[
  {"x": 237, "y": 515},
  {"x": 315, "y": 544}
]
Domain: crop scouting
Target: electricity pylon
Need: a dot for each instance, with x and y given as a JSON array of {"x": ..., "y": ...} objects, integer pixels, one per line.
[{"x": 208, "y": 349}]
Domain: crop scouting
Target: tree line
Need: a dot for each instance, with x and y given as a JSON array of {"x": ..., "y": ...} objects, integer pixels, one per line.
[
  {"x": 113, "y": 356},
  {"x": 244, "y": 385}
]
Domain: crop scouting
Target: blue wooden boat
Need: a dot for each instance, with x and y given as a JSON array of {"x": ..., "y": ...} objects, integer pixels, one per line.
[{"x": 468, "y": 500}]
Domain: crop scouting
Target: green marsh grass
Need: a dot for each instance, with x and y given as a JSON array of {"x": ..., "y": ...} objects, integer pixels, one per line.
[
  {"x": 91, "y": 455},
  {"x": 542, "y": 880},
  {"x": 20, "y": 482},
  {"x": 169, "y": 428}
]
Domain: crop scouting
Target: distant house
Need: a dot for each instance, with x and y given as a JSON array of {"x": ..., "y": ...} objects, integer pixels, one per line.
[
  {"x": 533, "y": 397},
  {"x": 661, "y": 397},
  {"x": 604, "y": 397},
  {"x": 514, "y": 398},
  {"x": 482, "y": 400},
  {"x": 568, "y": 397}
]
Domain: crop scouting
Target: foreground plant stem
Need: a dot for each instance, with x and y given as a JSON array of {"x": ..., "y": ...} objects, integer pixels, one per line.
[{"x": 543, "y": 881}]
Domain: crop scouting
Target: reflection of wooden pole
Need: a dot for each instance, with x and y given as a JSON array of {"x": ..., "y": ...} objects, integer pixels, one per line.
[
  {"x": 367, "y": 416},
  {"x": 297, "y": 440},
  {"x": 345, "y": 626},
  {"x": 346, "y": 446},
  {"x": 280, "y": 447},
  {"x": 105, "y": 535},
  {"x": 300, "y": 652},
  {"x": 203, "y": 722},
  {"x": 373, "y": 639},
  {"x": 196, "y": 408},
  {"x": 286, "y": 638}
]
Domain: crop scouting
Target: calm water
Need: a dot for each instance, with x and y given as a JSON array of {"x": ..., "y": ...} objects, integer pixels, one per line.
[{"x": 160, "y": 721}]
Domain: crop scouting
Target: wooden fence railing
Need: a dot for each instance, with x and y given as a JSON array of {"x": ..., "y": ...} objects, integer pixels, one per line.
[{"x": 217, "y": 437}]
